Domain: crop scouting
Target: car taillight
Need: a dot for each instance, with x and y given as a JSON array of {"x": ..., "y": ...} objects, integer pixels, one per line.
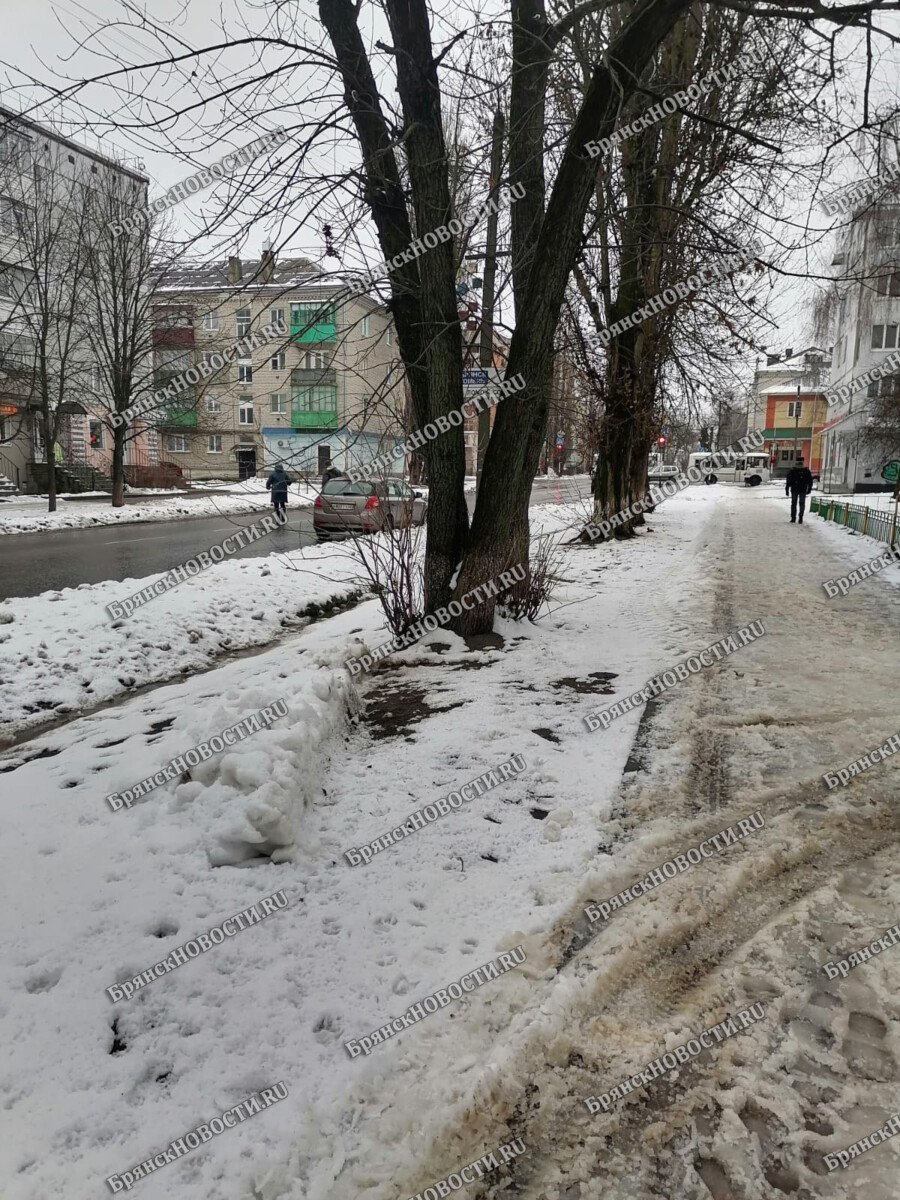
[
  {"x": 372, "y": 502},
  {"x": 318, "y": 502}
]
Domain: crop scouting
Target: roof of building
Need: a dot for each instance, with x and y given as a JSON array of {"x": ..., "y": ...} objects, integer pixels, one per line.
[
  {"x": 14, "y": 118},
  {"x": 213, "y": 276}
]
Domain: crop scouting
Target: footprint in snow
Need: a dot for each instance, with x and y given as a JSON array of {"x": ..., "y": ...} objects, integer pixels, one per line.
[{"x": 383, "y": 924}]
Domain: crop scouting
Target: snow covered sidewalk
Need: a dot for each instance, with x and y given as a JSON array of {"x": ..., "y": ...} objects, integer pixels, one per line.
[{"x": 99, "y": 896}]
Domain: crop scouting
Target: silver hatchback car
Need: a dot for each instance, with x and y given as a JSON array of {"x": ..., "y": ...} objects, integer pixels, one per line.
[{"x": 348, "y": 509}]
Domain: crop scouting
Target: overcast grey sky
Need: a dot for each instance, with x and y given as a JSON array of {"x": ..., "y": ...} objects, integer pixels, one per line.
[{"x": 41, "y": 46}]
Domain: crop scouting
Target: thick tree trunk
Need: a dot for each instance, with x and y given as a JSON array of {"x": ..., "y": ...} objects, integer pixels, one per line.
[{"x": 118, "y": 468}]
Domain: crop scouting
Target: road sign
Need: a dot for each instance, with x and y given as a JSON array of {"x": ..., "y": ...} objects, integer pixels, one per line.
[
  {"x": 560, "y": 439},
  {"x": 891, "y": 471},
  {"x": 475, "y": 379}
]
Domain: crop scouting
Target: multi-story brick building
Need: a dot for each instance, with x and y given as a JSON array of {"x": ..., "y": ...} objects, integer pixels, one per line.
[{"x": 330, "y": 391}]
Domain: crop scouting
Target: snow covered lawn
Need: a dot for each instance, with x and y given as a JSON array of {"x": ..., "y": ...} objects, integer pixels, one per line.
[
  {"x": 29, "y": 514},
  {"x": 61, "y": 653},
  {"x": 97, "y": 896}
]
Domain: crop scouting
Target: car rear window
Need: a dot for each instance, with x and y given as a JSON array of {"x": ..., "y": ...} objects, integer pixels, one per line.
[{"x": 346, "y": 487}]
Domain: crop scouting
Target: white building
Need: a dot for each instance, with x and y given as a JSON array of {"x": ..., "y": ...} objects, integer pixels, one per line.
[
  {"x": 38, "y": 163},
  {"x": 866, "y": 331}
]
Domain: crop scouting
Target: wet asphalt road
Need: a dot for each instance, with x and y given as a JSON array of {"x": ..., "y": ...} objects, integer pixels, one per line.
[{"x": 31, "y": 563}]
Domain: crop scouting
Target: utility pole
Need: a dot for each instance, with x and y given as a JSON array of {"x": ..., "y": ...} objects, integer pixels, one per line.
[
  {"x": 486, "y": 357},
  {"x": 796, "y": 422}
]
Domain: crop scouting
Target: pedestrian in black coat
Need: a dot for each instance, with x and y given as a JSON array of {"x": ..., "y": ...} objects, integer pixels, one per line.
[
  {"x": 798, "y": 485},
  {"x": 277, "y": 483}
]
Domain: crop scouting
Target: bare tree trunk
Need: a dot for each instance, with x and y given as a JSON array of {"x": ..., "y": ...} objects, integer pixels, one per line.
[{"x": 118, "y": 467}]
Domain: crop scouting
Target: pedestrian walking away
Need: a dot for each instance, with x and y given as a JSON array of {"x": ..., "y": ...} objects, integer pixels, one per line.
[
  {"x": 277, "y": 483},
  {"x": 798, "y": 485}
]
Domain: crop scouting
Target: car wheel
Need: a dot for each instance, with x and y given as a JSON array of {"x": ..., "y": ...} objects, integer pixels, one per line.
[
  {"x": 712, "y": 479},
  {"x": 754, "y": 481}
]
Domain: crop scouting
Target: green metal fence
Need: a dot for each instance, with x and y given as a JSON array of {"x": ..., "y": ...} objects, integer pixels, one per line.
[{"x": 877, "y": 523}]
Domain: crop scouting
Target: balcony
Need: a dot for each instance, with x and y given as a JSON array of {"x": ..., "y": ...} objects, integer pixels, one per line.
[
  {"x": 301, "y": 377},
  {"x": 313, "y": 323},
  {"x": 177, "y": 418},
  {"x": 178, "y": 335},
  {"x": 315, "y": 418}
]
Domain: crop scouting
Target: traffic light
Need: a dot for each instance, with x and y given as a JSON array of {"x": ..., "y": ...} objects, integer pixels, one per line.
[{"x": 661, "y": 441}]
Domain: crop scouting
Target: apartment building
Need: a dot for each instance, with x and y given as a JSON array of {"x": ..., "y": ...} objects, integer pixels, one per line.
[
  {"x": 331, "y": 390},
  {"x": 788, "y": 406},
  {"x": 41, "y": 170},
  {"x": 866, "y": 264}
]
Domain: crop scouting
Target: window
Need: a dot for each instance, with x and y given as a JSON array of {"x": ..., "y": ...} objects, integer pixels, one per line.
[
  {"x": 95, "y": 378},
  {"x": 364, "y": 363},
  {"x": 389, "y": 336},
  {"x": 93, "y": 169},
  {"x": 212, "y": 360},
  {"x": 884, "y": 337},
  {"x": 177, "y": 443},
  {"x": 214, "y": 443},
  {"x": 315, "y": 399},
  {"x": 71, "y": 158},
  {"x": 277, "y": 363},
  {"x": 213, "y": 404},
  {"x": 843, "y": 309},
  {"x": 245, "y": 410},
  {"x": 245, "y": 370},
  {"x": 172, "y": 318},
  {"x": 278, "y": 402},
  {"x": 276, "y": 316},
  {"x": 168, "y": 359},
  {"x": 365, "y": 327},
  {"x": 888, "y": 388},
  {"x": 304, "y": 316},
  {"x": 888, "y": 284},
  {"x": 12, "y": 216},
  {"x": 787, "y": 455},
  {"x": 211, "y": 322},
  {"x": 14, "y": 148},
  {"x": 96, "y": 434},
  {"x": 314, "y": 360},
  {"x": 242, "y": 322},
  {"x": 794, "y": 408}
]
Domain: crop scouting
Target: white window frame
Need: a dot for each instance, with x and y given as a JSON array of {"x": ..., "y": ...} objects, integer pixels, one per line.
[
  {"x": 276, "y": 315},
  {"x": 883, "y": 340},
  {"x": 242, "y": 317},
  {"x": 795, "y": 405},
  {"x": 364, "y": 328},
  {"x": 214, "y": 438},
  {"x": 282, "y": 405},
  {"x": 211, "y": 322},
  {"x": 310, "y": 362},
  {"x": 245, "y": 403},
  {"x": 214, "y": 403},
  {"x": 182, "y": 437},
  {"x": 277, "y": 361},
  {"x": 245, "y": 370}
]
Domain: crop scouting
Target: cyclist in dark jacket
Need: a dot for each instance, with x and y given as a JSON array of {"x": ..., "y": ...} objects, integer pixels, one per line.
[
  {"x": 798, "y": 485},
  {"x": 278, "y": 484}
]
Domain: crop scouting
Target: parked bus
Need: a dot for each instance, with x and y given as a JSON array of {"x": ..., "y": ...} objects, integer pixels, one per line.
[{"x": 751, "y": 469}]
